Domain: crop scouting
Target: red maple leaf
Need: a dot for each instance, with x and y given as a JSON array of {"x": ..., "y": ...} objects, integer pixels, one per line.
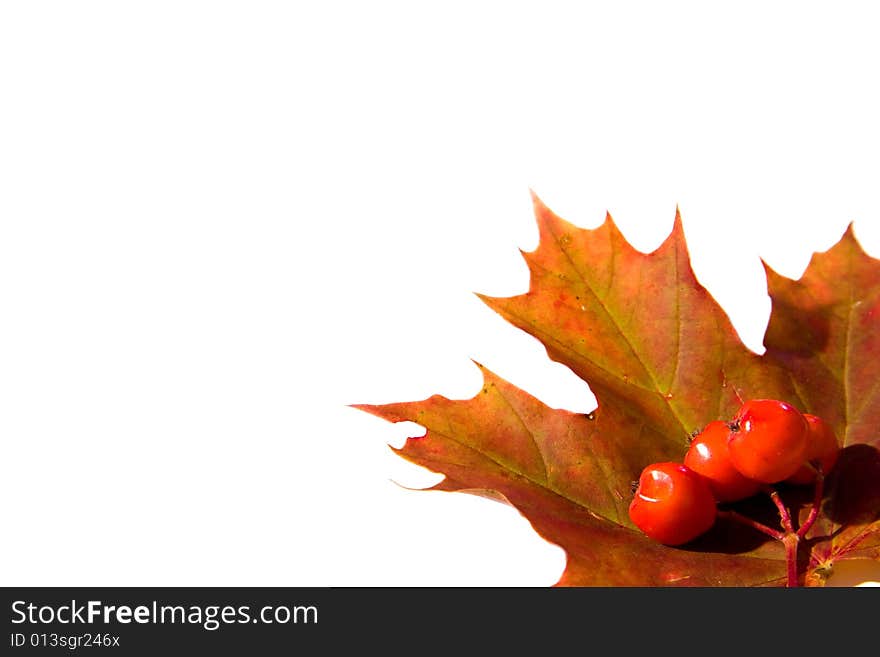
[{"x": 663, "y": 360}]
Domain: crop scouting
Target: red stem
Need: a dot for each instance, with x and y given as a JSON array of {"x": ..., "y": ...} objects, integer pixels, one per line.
[
  {"x": 790, "y": 541},
  {"x": 784, "y": 515},
  {"x": 817, "y": 502},
  {"x": 790, "y": 538},
  {"x": 760, "y": 526}
]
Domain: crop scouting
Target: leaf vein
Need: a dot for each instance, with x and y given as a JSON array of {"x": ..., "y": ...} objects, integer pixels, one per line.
[
  {"x": 527, "y": 430},
  {"x": 545, "y": 485},
  {"x": 615, "y": 323}
]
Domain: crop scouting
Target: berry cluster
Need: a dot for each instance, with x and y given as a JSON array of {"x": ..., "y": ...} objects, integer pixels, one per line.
[{"x": 767, "y": 442}]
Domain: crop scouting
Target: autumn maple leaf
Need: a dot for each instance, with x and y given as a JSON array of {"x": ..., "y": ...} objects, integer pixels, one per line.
[{"x": 663, "y": 360}]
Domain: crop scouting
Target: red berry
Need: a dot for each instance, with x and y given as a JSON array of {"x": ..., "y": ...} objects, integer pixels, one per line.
[
  {"x": 708, "y": 457},
  {"x": 768, "y": 440},
  {"x": 821, "y": 446},
  {"x": 672, "y": 503}
]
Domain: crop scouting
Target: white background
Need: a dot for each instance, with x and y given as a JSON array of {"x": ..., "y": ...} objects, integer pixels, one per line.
[{"x": 223, "y": 222}]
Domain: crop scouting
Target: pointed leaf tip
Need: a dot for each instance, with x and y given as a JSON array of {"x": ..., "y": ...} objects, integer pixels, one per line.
[
  {"x": 768, "y": 269},
  {"x": 537, "y": 203},
  {"x": 677, "y": 223},
  {"x": 849, "y": 235},
  {"x": 481, "y": 367}
]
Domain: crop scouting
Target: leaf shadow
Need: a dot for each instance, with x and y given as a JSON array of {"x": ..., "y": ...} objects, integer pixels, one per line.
[
  {"x": 727, "y": 536},
  {"x": 854, "y": 485},
  {"x": 791, "y": 332}
]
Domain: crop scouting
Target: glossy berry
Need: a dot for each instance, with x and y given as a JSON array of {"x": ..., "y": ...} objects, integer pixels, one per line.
[
  {"x": 768, "y": 440},
  {"x": 708, "y": 457},
  {"x": 821, "y": 446},
  {"x": 672, "y": 503}
]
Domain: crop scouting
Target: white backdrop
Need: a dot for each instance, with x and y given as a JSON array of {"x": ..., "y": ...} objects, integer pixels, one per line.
[{"x": 223, "y": 222}]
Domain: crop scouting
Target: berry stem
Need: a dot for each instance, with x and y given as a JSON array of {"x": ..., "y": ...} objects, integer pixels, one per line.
[
  {"x": 760, "y": 526},
  {"x": 790, "y": 541},
  {"x": 784, "y": 514},
  {"x": 817, "y": 502},
  {"x": 791, "y": 538}
]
